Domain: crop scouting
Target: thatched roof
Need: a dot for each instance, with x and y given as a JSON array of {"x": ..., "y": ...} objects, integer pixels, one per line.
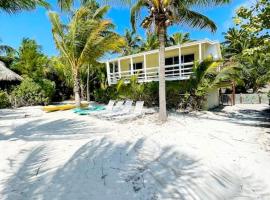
[{"x": 7, "y": 75}]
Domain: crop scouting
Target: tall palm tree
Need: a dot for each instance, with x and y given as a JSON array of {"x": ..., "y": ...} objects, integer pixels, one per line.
[
  {"x": 12, "y": 6},
  {"x": 84, "y": 40},
  {"x": 132, "y": 42},
  {"x": 179, "y": 38},
  {"x": 161, "y": 15},
  {"x": 150, "y": 43}
]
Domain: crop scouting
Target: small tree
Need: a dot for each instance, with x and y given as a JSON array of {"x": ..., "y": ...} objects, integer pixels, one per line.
[
  {"x": 30, "y": 61},
  {"x": 85, "y": 39},
  {"x": 248, "y": 44}
]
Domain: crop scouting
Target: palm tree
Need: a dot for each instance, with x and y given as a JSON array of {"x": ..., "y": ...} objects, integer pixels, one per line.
[
  {"x": 179, "y": 38},
  {"x": 84, "y": 40},
  {"x": 5, "y": 49},
  {"x": 12, "y": 6},
  {"x": 235, "y": 42},
  {"x": 132, "y": 42},
  {"x": 150, "y": 43},
  {"x": 161, "y": 15}
]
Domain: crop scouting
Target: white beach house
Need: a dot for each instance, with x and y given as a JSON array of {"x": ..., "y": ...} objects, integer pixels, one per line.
[{"x": 179, "y": 61}]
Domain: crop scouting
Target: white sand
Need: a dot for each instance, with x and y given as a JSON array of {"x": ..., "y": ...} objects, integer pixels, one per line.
[{"x": 204, "y": 155}]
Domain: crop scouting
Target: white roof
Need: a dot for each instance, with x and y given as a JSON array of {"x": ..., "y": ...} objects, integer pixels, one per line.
[{"x": 166, "y": 49}]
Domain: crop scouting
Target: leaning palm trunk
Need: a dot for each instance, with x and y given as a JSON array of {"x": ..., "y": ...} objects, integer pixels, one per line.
[
  {"x": 77, "y": 89},
  {"x": 162, "y": 84}
]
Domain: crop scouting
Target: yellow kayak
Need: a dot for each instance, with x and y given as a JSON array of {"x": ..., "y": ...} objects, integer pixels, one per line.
[{"x": 53, "y": 108}]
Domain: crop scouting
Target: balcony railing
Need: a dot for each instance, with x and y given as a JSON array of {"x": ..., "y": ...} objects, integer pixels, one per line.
[{"x": 172, "y": 72}]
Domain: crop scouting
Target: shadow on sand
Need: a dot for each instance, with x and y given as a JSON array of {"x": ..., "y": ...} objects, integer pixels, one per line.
[
  {"x": 243, "y": 117},
  {"x": 102, "y": 169},
  {"x": 59, "y": 129}
]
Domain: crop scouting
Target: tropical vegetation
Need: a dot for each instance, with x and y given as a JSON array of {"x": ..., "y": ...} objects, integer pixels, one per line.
[
  {"x": 163, "y": 14},
  {"x": 87, "y": 36},
  {"x": 248, "y": 44},
  {"x": 84, "y": 40}
]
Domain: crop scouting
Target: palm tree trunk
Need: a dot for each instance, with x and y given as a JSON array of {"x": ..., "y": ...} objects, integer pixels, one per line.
[
  {"x": 76, "y": 77},
  {"x": 162, "y": 86},
  {"x": 87, "y": 86}
]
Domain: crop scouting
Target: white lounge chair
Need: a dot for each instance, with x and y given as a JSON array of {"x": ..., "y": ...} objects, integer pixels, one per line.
[
  {"x": 118, "y": 106},
  {"x": 125, "y": 109},
  {"x": 138, "y": 111},
  {"x": 108, "y": 108}
]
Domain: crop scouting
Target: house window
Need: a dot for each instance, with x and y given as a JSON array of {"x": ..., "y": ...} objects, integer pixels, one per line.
[
  {"x": 187, "y": 58},
  {"x": 172, "y": 60},
  {"x": 113, "y": 67},
  {"x": 169, "y": 61},
  {"x": 137, "y": 66},
  {"x": 175, "y": 60}
]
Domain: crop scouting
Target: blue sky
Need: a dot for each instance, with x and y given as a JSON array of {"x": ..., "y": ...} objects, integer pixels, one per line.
[{"x": 35, "y": 24}]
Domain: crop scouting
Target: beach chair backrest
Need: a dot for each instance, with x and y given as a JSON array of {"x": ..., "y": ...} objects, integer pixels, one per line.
[
  {"x": 118, "y": 104},
  {"x": 128, "y": 103},
  {"x": 138, "y": 107},
  {"x": 110, "y": 105}
]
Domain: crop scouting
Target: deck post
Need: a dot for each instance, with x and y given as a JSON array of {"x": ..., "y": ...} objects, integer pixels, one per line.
[
  {"x": 131, "y": 66},
  {"x": 113, "y": 75},
  {"x": 180, "y": 61},
  {"x": 200, "y": 52},
  {"x": 144, "y": 67},
  {"x": 108, "y": 72},
  {"x": 233, "y": 93},
  {"x": 119, "y": 68}
]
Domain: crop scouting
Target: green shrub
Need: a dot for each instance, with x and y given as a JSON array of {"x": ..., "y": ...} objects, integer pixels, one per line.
[
  {"x": 179, "y": 94},
  {"x": 150, "y": 94},
  {"x": 4, "y": 100},
  {"x": 104, "y": 95},
  {"x": 30, "y": 93},
  {"x": 48, "y": 87}
]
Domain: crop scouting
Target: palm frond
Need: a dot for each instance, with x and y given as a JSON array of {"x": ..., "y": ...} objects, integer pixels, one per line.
[
  {"x": 206, "y": 2},
  {"x": 6, "y": 49},
  {"x": 65, "y": 4},
  {"x": 58, "y": 35},
  {"x": 100, "y": 12},
  {"x": 19, "y": 5},
  {"x": 135, "y": 11},
  {"x": 194, "y": 19}
]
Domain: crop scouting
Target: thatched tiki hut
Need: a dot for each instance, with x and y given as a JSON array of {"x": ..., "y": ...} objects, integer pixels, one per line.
[{"x": 7, "y": 76}]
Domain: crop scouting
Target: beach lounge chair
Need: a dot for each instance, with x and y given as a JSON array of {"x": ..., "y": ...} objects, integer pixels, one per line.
[
  {"x": 125, "y": 109},
  {"x": 138, "y": 111},
  {"x": 118, "y": 107},
  {"x": 107, "y": 109}
]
